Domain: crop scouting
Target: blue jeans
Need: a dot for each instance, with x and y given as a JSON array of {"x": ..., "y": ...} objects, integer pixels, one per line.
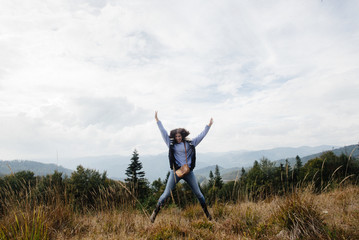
[{"x": 190, "y": 178}]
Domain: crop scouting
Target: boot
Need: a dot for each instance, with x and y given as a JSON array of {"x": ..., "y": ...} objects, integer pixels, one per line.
[
  {"x": 205, "y": 210},
  {"x": 155, "y": 212}
]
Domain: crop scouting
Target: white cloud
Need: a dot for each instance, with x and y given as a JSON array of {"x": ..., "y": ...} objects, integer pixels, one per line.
[{"x": 86, "y": 76}]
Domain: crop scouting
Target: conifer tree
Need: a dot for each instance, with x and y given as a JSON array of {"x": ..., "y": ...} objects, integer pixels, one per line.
[
  {"x": 298, "y": 162},
  {"x": 218, "y": 182},
  {"x": 243, "y": 171},
  {"x": 211, "y": 179},
  {"x": 297, "y": 169},
  {"x": 135, "y": 177}
]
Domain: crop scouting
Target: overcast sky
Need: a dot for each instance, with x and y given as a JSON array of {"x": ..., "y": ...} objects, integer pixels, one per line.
[{"x": 84, "y": 77}]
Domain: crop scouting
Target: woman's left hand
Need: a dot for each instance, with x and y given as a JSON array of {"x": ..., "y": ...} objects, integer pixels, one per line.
[{"x": 210, "y": 122}]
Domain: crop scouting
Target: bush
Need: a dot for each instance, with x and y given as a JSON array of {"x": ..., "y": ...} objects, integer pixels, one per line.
[
  {"x": 301, "y": 218},
  {"x": 85, "y": 186}
]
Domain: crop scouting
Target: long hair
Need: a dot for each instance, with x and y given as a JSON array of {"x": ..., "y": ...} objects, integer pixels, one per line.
[{"x": 184, "y": 133}]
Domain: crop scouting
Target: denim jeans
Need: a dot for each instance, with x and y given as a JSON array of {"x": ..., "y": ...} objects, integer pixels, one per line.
[{"x": 190, "y": 178}]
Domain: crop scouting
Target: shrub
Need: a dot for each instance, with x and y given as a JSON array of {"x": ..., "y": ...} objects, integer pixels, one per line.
[
  {"x": 25, "y": 225},
  {"x": 301, "y": 218}
]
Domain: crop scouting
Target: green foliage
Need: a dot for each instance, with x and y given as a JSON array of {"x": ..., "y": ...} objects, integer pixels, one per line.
[
  {"x": 265, "y": 179},
  {"x": 50, "y": 186},
  {"x": 84, "y": 187},
  {"x": 218, "y": 182},
  {"x": 136, "y": 177},
  {"x": 329, "y": 170},
  {"x": 87, "y": 189},
  {"x": 301, "y": 217},
  {"x": 25, "y": 227},
  {"x": 203, "y": 225},
  {"x": 214, "y": 185},
  {"x": 34, "y": 207},
  {"x": 157, "y": 185},
  {"x": 20, "y": 181},
  {"x": 211, "y": 179}
]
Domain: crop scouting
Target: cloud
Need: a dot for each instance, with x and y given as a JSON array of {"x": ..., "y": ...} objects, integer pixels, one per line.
[
  {"x": 86, "y": 76},
  {"x": 108, "y": 111}
]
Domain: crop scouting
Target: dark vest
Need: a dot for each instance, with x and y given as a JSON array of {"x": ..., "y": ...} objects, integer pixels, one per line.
[{"x": 171, "y": 155}]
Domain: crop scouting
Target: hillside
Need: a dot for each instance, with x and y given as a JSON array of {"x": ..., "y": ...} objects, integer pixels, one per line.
[
  {"x": 39, "y": 169},
  {"x": 232, "y": 173},
  {"x": 116, "y": 165},
  {"x": 347, "y": 150},
  {"x": 230, "y": 163}
]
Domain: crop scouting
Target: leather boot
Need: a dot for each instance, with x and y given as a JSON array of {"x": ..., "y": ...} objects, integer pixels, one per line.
[
  {"x": 205, "y": 210},
  {"x": 155, "y": 212}
]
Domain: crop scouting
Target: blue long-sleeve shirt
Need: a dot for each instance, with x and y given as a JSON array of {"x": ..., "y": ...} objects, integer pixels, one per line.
[{"x": 179, "y": 150}]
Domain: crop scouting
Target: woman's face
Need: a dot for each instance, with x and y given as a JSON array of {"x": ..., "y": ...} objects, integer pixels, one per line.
[{"x": 178, "y": 137}]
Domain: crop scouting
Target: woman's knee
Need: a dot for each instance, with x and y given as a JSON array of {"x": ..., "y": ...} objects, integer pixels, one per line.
[{"x": 199, "y": 194}]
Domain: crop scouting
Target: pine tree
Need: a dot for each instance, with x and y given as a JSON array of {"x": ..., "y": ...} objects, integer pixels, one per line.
[
  {"x": 288, "y": 169},
  {"x": 211, "y": 179},
  {"x": 217, "y": 178},
  {"x": 243, "y": 171},
  {"x": 297, "y": 169},
  {"x": 298, "y": 163},
  {"x": 135, "y": 177}
]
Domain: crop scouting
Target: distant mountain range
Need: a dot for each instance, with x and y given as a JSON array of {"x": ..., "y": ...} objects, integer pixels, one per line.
[
  {"x": 39, "y": 169},
  {"x": 157, "y": 166},
  {"x": 235, "y": 172}
]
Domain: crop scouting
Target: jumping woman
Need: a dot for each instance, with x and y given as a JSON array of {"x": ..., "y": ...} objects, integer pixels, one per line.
[{"x": 181, "y": 152}]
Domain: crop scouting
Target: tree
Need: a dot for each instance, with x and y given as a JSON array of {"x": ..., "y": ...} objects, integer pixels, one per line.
[
  {"x": 298, "y": 162},
  {"x": 218, "y": 182},
  {"x": 157, "y": 185},
  {"x": 85, "y": 186},
  {"x": 243, "y": 171},
  {"x": 21, "y": 181},
  {"x": 136, "y": 178},
  {"x": 297, "y": 169},
  {"x": 288, "y": 169},
  {"x": 211, "y": 179}
]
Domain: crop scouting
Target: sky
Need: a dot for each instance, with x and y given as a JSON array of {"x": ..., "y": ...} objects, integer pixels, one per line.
[{"x": 84, "y": 77}]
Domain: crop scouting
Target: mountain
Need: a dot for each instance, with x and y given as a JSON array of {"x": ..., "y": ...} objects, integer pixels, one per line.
[
  {"x": 157, "y": 166},
  {"x": 351, "y": 150},
  {"x": 39, "y": 169},
  {"x": 246, "y": 158},
  {"x": 232, "y": 173}
]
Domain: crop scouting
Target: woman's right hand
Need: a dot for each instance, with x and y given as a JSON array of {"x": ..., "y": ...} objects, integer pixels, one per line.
[{"x": 156, "y": 116}]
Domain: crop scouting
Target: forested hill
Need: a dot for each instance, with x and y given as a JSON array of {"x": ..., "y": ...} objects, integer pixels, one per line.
[
  {"x": 229, "y": 174},
  {"x": 351, "y": 150},
  {"x": 39, "y": 169}
]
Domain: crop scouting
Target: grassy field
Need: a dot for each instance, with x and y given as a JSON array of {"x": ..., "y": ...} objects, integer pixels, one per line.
[{"x": 304, "y": 215}]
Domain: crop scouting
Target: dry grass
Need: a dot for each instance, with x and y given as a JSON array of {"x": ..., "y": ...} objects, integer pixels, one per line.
[
  {"x": 340, "y": 210},
  {"x": 332, "y": 215}
]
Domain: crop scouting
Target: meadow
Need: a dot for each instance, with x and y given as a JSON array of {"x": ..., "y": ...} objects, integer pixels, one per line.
[
  {"x": 319, "y": 200},
  {"x": 299, "y": 215}
]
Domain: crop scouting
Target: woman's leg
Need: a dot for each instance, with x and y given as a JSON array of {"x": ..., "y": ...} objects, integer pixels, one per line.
[
  {"x": 190, "y": 178},
  {"x": 171, "y": 183},
  {"x": 192, "y": 181}
]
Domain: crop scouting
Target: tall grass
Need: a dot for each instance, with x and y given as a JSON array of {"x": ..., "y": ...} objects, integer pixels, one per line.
[
  {"x": 48, "y": 213},
  {"x": 37, "y": 212}
]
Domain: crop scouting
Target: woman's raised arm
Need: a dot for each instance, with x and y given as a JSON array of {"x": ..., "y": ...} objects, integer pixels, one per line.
[
  {"x": 156, "y": 117},
  {"x": 198, "y": 139},
  {"x": 210, "y": 122},
  {"x": 163, "y": 131}
]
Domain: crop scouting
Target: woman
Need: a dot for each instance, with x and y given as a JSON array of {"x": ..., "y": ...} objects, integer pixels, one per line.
[{"x": 181, "y": 151}]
